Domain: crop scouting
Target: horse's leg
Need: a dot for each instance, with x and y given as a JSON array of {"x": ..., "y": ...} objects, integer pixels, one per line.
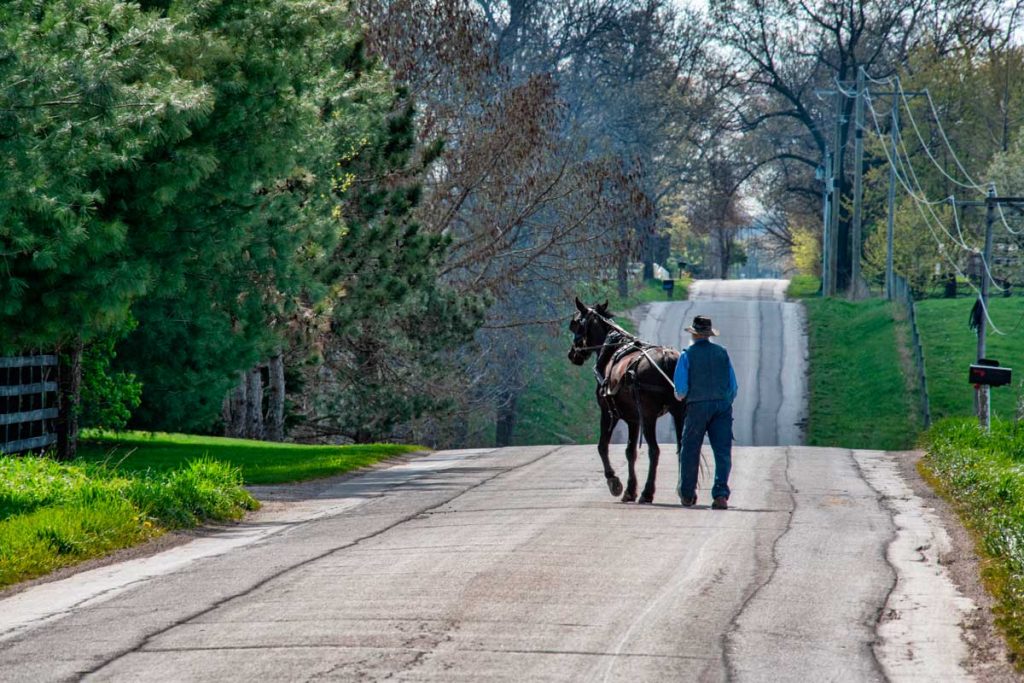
[
  {"x": 678, "y": 412},
  {"x": 653, "y": 451},
  {"x": 634, "y": 431},
  {"x": 608, "y": 422}
]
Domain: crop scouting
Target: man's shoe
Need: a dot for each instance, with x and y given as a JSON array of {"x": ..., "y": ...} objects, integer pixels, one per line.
[
  {"x": 720, "y": 503},
  {"x": 688, "y": 502}
]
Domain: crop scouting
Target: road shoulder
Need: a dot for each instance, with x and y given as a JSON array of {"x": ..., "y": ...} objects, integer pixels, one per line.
[{"x": 987, "y": 659}]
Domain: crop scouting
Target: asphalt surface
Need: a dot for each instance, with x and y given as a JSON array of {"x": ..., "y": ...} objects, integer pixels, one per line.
[
  {"x": 765, "y": 338},
  {"x": 517, "y": 565}
]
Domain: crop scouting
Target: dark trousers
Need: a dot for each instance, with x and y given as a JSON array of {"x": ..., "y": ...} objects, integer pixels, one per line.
[{"x": 713, "y": 418}]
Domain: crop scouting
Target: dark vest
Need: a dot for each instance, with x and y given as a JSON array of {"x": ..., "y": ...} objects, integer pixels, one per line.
[{"x": 709, "y": 372}]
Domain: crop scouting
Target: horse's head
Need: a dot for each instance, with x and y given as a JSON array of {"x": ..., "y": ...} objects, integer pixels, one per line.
[{"x": 589, "y": 330}]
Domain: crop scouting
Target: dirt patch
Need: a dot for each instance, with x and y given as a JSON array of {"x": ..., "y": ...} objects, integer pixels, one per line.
[{"x": 988, "y": 659}]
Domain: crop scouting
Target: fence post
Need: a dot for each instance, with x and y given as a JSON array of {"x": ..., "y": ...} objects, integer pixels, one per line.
[
  {"x": 69, "y": 378},
  {"x": 903, "y": 295}
]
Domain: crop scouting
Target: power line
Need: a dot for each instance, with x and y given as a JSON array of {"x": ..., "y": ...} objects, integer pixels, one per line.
[
  {"x": 906, "y": 105},
  {"x": 897, "y": 162}
]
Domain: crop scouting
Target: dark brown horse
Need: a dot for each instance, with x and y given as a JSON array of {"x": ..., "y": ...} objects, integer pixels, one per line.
[{"x": 633, "y": 384}]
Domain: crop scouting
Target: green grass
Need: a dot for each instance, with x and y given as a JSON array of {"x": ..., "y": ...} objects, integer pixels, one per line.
[
  {"x": 983, "y": 477},
  {"x": 260, "y": 462},
  {"x": 54, "y": 514},
  {"x": 128, "y": 487},
  {"x": 950, "y": 347},
  {"x": 558, "y": 404},
  {"x": 859, "y": 396},
  {"x": 803, "y": 286}
]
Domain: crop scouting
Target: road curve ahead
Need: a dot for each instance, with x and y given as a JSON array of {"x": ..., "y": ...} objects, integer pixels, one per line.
[
  {"x": 517, "y": 565},
  {"x": 765, "y": 338}
]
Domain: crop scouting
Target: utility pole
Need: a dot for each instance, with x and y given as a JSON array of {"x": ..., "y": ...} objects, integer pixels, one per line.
[
  {"x": 891, "y": 219},
  {"x": 858, "y": 186},
  {"x": 829, "y": 286},
  {"x": 827, "y": 182},
  {"x": 984, "y": 393}
]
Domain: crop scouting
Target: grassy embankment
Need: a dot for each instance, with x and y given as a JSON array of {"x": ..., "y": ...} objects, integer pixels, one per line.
[
  {"x": 859, "y": 393},
  {"x": 128, "y": 488},
  {"x": 950, "y": 346},
  {"x": 558, "y": 405},
  {"x": 982, "y": 476}
]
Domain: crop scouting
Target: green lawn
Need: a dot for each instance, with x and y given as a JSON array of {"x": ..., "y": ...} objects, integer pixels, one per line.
[
  {"x": 950, "y": 347},
  {"x": 804, "y": 286},
  {"x": 260, "y": 462},
  {"x": 55, "y": 514},
  {"x": 859, "y": 396},
  {"x": 126, "y": 488}
]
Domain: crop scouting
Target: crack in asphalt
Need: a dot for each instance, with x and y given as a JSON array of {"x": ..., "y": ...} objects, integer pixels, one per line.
[
  {"x": 883, "y": 502},
  {"x": 778, "y": 375},
  {"x": 422, "y": 651},
  {"x": 142, "y": 643},
  {"x": 733, "y": 626},
  {"x": 756, "y": 413}
]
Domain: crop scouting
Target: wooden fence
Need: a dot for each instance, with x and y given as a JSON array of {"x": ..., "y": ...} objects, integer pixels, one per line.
[
  {"x": 28, "y": 402},
  {"x": 902, "y": 295}
]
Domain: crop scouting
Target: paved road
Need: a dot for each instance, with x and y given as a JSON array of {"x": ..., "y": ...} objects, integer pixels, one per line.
[
  {"x": 766, "y": 341},
  {"x": 516, "y": 564}
]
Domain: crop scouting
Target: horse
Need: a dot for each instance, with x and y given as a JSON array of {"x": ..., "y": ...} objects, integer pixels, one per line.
[{"x": 633, "y": 384}]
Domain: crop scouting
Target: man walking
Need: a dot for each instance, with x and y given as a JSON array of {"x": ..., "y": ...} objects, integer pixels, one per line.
[{"x": 705, "y": 378}]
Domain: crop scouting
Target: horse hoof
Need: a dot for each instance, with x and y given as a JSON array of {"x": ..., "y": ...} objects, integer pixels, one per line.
[
  {"x": 646, "y": 500},
  {"x": 628, "y": 497},
  {"x": 614, "y": 485}
]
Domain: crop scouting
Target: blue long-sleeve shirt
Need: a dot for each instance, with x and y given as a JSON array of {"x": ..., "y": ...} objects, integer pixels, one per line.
[{"x": 682, "y": 378}]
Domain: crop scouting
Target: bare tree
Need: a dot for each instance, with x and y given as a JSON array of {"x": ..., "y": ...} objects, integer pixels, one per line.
[{"x": 788, "y": 51}]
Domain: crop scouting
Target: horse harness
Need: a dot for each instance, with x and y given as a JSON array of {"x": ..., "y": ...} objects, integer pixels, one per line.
[{"x": 622, "y": 366}]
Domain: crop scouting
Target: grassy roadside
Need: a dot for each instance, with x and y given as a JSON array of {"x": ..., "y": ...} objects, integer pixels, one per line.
[
  {"x": 858, "y": 391},
  {"x": 950, "y": 346},
  {"x": 983, "y": 478},
  {"x": 803, "y": 286},
  {"x": 258, "y": 462},
  {"x": 558, "y": 405},
  {"x": 127, "y": 488},
  {"x": 53, "y": 514}
]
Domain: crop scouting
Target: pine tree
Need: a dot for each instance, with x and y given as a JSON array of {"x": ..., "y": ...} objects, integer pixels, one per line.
[
  {"x": 392, "y": 321},
  {"x": 229, "y": 215},
  {"x": 87, "y": 90}
]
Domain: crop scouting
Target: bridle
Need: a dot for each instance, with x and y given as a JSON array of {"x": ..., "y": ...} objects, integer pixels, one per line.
[{"x": 581, "y": 333}]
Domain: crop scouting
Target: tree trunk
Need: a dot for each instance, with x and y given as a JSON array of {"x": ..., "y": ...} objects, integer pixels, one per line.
[
  {"x": 254, "y": 404},
  {"x": 234, "y": 409},
  {"x": 724, "y": 254},
  {"x": 69, "y": 377},
  {"x": 275, "y": 398},
  {"x": 647, "y": 249},
  {"x": 622, "y": 276},
  {"x": 506, "y": 420}
]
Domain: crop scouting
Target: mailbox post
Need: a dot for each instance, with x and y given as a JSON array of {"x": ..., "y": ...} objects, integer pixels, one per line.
[
  {"x": 668, "y": 286},
  {"x": 987, "y": 373}
]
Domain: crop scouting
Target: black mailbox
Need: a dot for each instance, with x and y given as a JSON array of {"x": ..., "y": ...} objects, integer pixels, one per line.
[{"x": 988, "y": 372}]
